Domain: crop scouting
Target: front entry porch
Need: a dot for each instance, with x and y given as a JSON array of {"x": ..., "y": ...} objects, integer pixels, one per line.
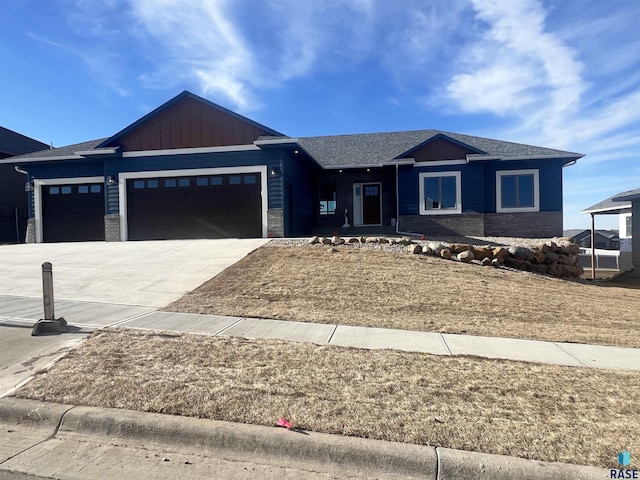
[{"x": 356, "y": 202}]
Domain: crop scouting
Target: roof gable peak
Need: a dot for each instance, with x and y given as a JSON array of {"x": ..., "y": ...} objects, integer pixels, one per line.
[{"x": 188, "y": 120}]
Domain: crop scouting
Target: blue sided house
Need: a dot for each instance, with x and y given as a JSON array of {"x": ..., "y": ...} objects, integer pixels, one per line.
[{"x": 193, "y": 169}]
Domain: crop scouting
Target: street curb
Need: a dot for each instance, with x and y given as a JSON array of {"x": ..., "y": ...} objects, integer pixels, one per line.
[
  {"x": 460, "y": 464},
  {"x": 288, "y": 446},
  {"x": 32, "y": 413},
  {"x": 333, "y": 452}
]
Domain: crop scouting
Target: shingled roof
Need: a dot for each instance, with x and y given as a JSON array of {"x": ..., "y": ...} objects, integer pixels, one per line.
[
  {"x": 358, "y": 150},
  {"x": 14, "y": 143},
  {"x": 68, "y": 152},
  {"x": 612, "y": 204},
  {"x": 383, "y": 148}
]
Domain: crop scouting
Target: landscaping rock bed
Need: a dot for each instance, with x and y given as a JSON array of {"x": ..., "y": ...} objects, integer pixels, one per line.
[{"x": 557, "y": 257}]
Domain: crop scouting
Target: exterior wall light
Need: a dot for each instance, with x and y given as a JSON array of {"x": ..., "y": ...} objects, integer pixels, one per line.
[
  {"x": 28, "y": 187},
  {"x": 111, "y": 180},
  {"x": 274, "y": 172}
]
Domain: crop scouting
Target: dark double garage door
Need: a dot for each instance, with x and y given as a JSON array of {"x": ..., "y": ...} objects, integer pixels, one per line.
[{"x": 207, "y": 206}]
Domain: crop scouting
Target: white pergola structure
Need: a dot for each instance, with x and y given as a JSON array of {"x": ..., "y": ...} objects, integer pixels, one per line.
[{"x": 620, "y": 203}]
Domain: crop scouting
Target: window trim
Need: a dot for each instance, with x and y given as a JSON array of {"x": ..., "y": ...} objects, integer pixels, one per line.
[
  {"x": 536, "y": 190},
  {"x": 447, "y": 211},
  {"x": 332, "y": 187}
]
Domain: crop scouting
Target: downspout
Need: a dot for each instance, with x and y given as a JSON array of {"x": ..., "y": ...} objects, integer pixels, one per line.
[
  {"x": 24, "y": 172},
  {"x": 19, "y": 170},
  {"x": 398, "y": 232}
]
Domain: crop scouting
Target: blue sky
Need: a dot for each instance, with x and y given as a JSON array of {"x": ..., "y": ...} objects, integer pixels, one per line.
[{"x": 561, "y": 74}]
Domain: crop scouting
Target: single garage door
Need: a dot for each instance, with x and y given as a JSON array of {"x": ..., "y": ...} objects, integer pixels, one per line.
[
  {"x": 209, "y": 206},
  {"x": 73, "y": 213}
]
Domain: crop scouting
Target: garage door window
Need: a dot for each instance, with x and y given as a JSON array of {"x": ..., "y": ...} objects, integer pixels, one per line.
[
  {"x": 96, "y": 188},
  {"x": 54, "y": 190},
  {"x": 202, "y": 181},
  {"x": 170, "y": 183},
  {"x": 138, "y": 184},
  {"x": 216, "y": 180},
  {"x": 184, "y": 182},
  {"x": 236, "y": 180},
  {"x": 152, "y": 184},
  {"x": 66, "y": 190},
  {"x": 83, "y": 189}
]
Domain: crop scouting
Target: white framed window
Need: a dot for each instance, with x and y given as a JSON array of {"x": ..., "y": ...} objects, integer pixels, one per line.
[
  {"x": 517, "y": 191},
  {"x": 440, "y": 193}
]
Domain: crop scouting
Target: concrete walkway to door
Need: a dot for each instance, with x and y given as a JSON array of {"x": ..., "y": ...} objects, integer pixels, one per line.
[{"x": 151, "y": 273}]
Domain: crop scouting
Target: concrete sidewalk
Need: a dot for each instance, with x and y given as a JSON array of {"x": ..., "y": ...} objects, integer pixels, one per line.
[
  {"x": 67, "y": 442},
  {"x": 90, "y": 316},
  {"x": 556, "y": 353}
]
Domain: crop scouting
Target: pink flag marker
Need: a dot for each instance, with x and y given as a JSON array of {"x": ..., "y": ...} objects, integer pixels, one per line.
[{"x": 284, "y": 423}]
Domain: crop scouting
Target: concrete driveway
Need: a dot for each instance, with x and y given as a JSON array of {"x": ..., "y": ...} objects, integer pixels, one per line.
[
  {"x": 95, "y": 284},
  {"x": 149, "y": 274}
]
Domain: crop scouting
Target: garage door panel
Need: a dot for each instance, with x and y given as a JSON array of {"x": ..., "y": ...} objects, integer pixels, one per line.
[
  {"x": 213, "y": 206},
  {"x": 73, "y": 213}
]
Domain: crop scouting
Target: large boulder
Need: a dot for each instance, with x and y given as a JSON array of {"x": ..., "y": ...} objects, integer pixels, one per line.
[
  {"x": 371, "y": 240},
  {"x": 436, "y": 247},
  {"x": 500, "y": 254},
  {"x": 551, "y": 257},
  {"x": 325, "y": 241},
  {"x": 405, "y": 241},
  {"x": 445, "y": 253},
  {"x": 415, "y": 248},
  {"x": 466, "y": 256},
  {"x": 517, "y": 263},
  {"x": 459, "y": 247},
  {"x": 480, "y": 253},
  {"x": 551, "y": 246},
  {"x": 542, "y": 247},
  {"x": 522, "y": 253},
  {"x": 314, "y": 240},
  {"x": 554, "y": 269},
  {"x": 337, "y": 240},
  {"x": 539, "y": 256}
]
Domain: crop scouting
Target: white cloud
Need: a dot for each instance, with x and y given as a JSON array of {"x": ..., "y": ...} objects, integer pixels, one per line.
[
  {"x": 516, "y": 63},
  {"x": 198, "y": 40}
]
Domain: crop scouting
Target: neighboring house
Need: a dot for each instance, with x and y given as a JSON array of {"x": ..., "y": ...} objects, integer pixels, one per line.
[
  {"x": 605, "y": 239},
  {"x": 13, "y": 200},
  {"x": 193, "y": 169},
  {"x": 621, "y": 205}
]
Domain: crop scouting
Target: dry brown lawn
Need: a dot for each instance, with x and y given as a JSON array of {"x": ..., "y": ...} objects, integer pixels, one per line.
[
  {"x": 415, "y": 292},
  {"x": 544, "y": 412}
]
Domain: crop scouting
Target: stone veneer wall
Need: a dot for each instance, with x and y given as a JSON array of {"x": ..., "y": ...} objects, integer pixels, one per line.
[
  {"x": 30, "y": 235},
  {"x": 112, "y": 228},
  {"x": 275, "y": 223},
  {"x": 443, "y": 225},
  {"x": 528, "y": 224}
]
